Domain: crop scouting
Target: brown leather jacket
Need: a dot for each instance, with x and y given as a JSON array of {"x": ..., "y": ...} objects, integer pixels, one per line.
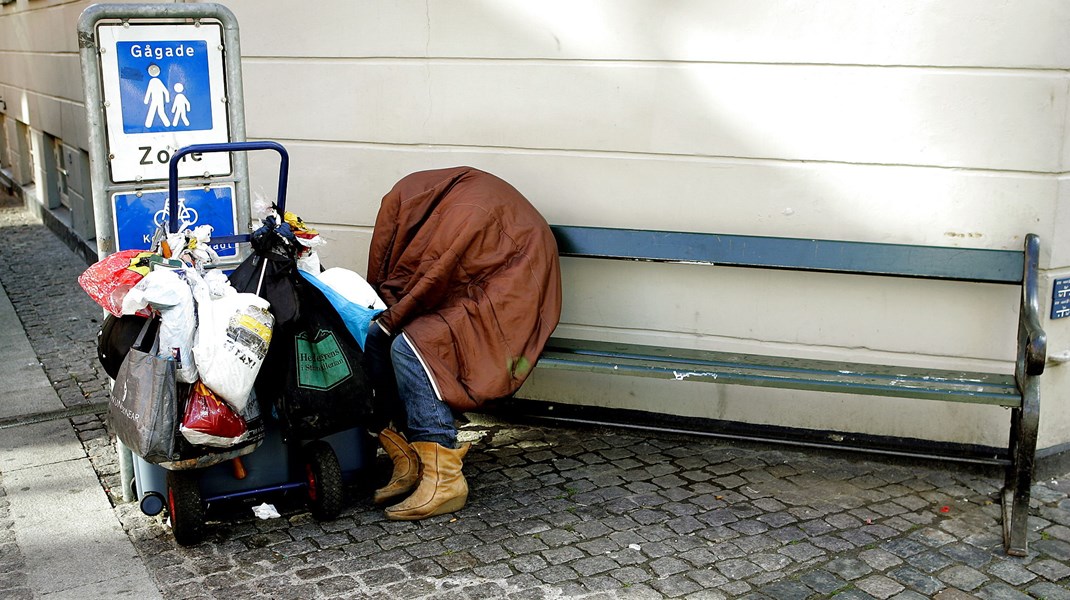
[{"x": 469, "y": 271}]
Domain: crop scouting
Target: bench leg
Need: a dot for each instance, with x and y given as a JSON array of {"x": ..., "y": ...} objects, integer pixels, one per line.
[{"x": 1019, "y": 479}]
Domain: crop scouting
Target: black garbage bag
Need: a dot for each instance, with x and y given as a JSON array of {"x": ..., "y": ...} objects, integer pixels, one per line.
[
  {"x": 312, "y": 373},
  {"x": 270, "y": 272},
  {"x": 116, "y": 336}
]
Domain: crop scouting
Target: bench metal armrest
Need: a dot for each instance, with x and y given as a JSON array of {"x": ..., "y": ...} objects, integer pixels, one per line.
[{"x": 1032, "y": 340}]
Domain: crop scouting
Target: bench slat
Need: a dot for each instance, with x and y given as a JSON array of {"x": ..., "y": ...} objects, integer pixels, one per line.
[
  {"x": 782, "y": 372},
  {"x": 867, "y": 258}
]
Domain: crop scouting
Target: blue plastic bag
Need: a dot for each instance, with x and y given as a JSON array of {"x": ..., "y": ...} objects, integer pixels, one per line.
[{"x": 356, "y": 317}]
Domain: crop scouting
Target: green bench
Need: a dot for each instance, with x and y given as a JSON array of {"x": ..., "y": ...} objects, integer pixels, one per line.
[{"x": 1019, "y": 392}]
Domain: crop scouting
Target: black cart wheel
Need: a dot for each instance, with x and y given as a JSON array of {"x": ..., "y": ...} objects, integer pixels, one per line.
[
  {"x": 324, "y": 479},
  {"x": 186, "y": 508}
]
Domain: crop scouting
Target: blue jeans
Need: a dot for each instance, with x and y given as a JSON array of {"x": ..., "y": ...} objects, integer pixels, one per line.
[{"x": 404, "y": 393}]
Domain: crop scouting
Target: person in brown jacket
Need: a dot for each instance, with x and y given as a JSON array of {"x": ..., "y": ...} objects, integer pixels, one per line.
[{"x": 469, "y": 271}]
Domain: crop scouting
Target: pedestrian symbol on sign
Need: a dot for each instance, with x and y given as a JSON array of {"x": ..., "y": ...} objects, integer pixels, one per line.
[{"x": 148, "y": 71}]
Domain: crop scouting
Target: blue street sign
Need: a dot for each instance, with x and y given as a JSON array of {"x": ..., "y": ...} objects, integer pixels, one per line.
[
  {"x": 1060, "y": 299},
  {"x": 138, "y": 217},
  {"x": 164, "y": 86}
]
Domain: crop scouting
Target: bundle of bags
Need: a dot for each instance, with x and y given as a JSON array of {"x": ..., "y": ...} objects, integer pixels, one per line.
[{"x": 186, "y": 346}]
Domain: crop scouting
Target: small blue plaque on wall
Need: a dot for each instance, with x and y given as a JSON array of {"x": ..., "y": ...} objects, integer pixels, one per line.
[{"x": 1060, "y": 299}]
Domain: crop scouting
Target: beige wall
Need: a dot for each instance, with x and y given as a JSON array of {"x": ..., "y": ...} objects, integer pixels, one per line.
[{"x": 913, "y": 122}]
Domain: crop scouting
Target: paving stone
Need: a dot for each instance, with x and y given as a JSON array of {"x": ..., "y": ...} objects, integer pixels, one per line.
[
  {"x": 1050, "y": 569},
  {"x": 1057, "y": 549},
  {"x": 916, "y": 580},
  {"x": 1000, "y": 591},
  {"x": 787, "y": 590},
  {"x": 848, "y": 568},
  {"x": 802, "y": 551},
  {"x": 593, "y": 565},
  {"x": 879, "y": 586},
  {"x": 706, "y": 594},
  {"x": 930, "y": 561},
  {"x": 707, "y": 578},
  {"x": 953, "y": 594},
  {"x": 931, "y": 536},
  {"x": 630, "y": 575},
  {"x": 555, "y": 574},
  {"x": 1013, "y": 573},
  {"x": 853, "y": 594},
  {"x": 736, "y": 588},
  {"x": 904, "y": 547},
  {"x": 675, "y": 586},
  {"x": 771, "y": 562},
  {"x": 833, "y": 544},
  {"x": 822, "y": 581},
  {"x": 966, "y": 554},
  {"x": 787, "y": 535},
  {"x": 666, "y": 566},
  {"x": 755, "y": 543},
  {"x": 1048, "y": 591},
  {"x": 880, "y": 559},
  {"x": 909, "y": 595},
  {"x": 738, "y": 568},
  {"x": 963, "y": 577}
]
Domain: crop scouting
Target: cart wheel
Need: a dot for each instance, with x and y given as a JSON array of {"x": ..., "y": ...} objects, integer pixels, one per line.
[
  {"x": 324, "y": 477},
  {"x": 187, "y": 510}
]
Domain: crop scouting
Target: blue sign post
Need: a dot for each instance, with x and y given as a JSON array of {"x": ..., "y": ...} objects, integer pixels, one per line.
[{"x": 138, "y": 216}]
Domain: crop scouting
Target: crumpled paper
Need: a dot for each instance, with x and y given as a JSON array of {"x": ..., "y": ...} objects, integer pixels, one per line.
[{"x": 266, "y": 511}]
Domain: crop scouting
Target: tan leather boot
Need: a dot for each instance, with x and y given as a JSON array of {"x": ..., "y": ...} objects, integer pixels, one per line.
[
  {"x": 406, "y": 472},
  {"x": 442, "y": 487}
]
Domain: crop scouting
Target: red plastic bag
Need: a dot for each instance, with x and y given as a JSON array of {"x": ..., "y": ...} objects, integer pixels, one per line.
[
  {"x": 108, "y": 281},
  {"x": 208, "y": 421}
]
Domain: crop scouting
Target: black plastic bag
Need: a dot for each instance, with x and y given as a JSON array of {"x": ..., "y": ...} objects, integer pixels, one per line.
[
  {"x": 271, "y": 276},
  {"x": 116, "y": 336},
  {"x": 312, "y": 374}
]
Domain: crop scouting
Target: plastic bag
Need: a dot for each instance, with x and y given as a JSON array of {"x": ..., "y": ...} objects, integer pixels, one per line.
[
  {"x": 108, "y": 280},
  {"x": 270, "y": 276},
  {"x": 350, "y": 306},
  {"x": 313, "y": 374},
  {"x": 208, "y": 421},
  {"x": 165, "y": 291},
  {"x": 218, "y": 284},
  {"x": 116, "y": 337},
  {"x": 233, "y": 336},
  {"x": 351, "y": 285}
]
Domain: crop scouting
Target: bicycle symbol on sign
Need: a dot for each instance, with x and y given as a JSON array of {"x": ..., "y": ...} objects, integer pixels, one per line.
[{"x": 186, "y": 216}]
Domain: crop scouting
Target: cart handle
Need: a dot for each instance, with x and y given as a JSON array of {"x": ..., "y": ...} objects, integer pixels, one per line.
[{"x": 172, "y": 198}]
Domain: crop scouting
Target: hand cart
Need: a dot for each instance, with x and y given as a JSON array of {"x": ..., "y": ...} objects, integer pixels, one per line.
[{"x": 318, "y": 468}]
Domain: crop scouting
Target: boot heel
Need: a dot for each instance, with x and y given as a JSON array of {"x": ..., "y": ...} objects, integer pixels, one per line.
[
  {"x": 406, "y": 471},
  {"x": 449, "y": 506}
]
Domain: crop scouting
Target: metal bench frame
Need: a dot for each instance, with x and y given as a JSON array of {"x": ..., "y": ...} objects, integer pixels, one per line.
[{"x": 1020, "y": 392}]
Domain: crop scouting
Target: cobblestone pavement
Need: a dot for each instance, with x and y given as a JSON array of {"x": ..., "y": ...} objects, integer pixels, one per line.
[{"x": 571, "y": 512}]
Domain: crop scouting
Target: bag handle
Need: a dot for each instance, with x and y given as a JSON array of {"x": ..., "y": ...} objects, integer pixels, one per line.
[{"x": 141, "y": 338}]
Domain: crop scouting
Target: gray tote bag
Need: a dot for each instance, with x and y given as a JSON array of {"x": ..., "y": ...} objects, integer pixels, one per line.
[{"x": 143, "y": 407}]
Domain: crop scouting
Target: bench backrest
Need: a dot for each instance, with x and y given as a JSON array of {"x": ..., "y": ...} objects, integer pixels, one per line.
[{"x": 867, "y": 258}]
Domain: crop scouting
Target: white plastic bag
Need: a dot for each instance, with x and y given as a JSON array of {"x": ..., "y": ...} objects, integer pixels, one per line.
[
  {"x": 233, "y": 334},
  {"x": 165, "y": 291},
  {"x": 218, "y": 284},
  {"x": 351, "y": 286}
]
